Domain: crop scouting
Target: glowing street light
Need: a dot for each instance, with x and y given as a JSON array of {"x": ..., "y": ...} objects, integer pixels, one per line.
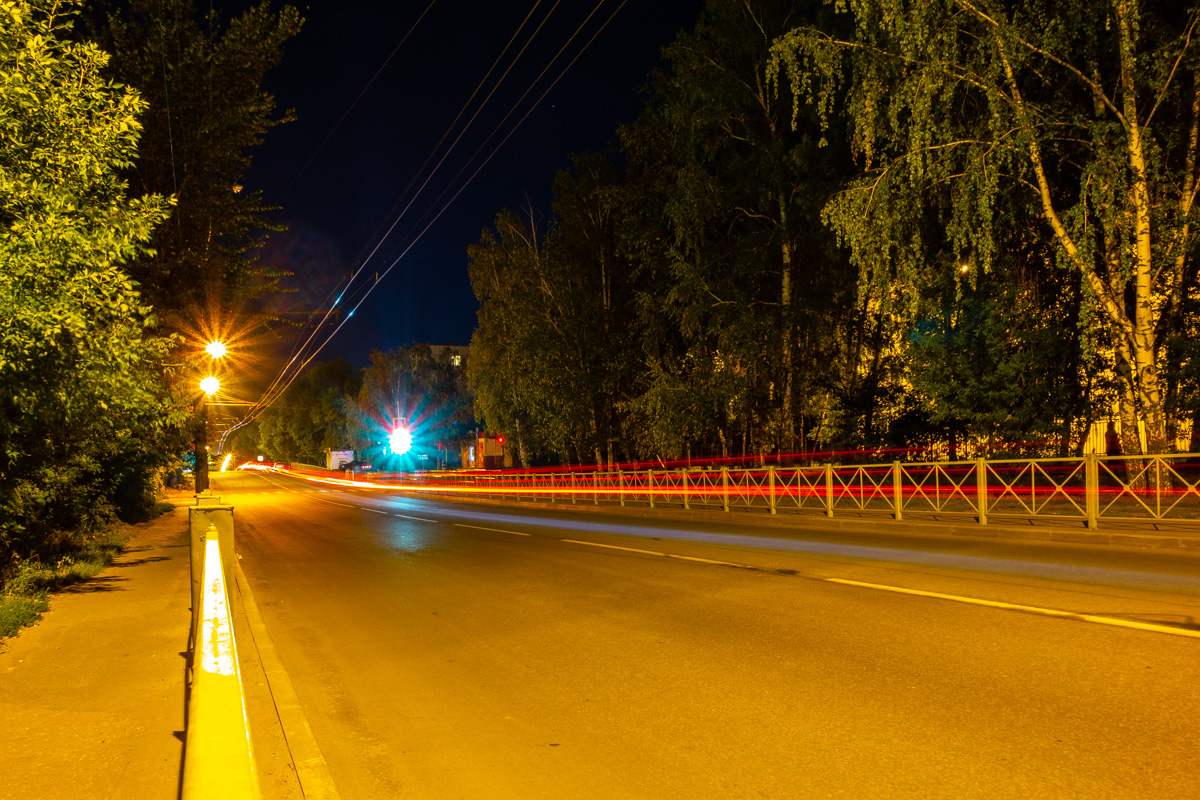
[
  {"x": 210, "y": 385},
  {"x": 400, "y": 440},
  {"x": 216, "y": 349}
]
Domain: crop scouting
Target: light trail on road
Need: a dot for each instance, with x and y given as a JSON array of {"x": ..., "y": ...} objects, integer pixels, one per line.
[{"x": 455, "y": 652}]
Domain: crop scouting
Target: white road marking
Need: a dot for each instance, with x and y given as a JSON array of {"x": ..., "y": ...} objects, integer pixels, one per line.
[
  {"x": 497, "y": 530},
  {"x": 1048, "y": 612},
  {"x": 418, "y": 519},
  {"x": 655, "y": 553},
  {"x": 375, "y": 510}
]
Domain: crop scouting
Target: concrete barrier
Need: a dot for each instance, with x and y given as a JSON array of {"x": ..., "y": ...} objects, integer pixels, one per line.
[{"x": 219, "y": 758}]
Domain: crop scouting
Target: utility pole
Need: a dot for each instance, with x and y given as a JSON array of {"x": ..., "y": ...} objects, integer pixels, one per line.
[{"x": 201, "y": 446}]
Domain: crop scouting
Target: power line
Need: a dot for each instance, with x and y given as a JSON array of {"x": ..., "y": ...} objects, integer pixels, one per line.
[
  {"x": 275, "y": 390},
  {"x": 352, "y": 105}
]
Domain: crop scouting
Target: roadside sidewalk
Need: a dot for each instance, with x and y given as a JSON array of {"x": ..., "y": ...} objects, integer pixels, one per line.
[{"x": 92, "y": 697}]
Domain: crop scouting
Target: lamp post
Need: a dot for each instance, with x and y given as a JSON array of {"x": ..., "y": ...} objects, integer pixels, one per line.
[{"x": 210, "y": 386}]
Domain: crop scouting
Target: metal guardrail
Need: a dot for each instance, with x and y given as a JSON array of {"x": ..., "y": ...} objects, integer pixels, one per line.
[
  {"x": 218, "y": 759},
  {"x": 1090, "y": 489}
]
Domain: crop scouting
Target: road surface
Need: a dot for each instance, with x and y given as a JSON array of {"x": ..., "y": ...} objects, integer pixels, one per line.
[{"x": 451, "y": 650}]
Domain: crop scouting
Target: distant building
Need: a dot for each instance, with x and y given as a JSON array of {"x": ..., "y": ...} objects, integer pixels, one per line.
[{"x": 485, "y": 452}]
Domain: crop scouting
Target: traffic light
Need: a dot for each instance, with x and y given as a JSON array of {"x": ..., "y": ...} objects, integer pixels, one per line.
[
  {"x": 400, "y": 441},
  {"x": 499, "y": 440}
]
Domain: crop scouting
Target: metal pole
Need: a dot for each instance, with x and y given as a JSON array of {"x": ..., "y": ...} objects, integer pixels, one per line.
[
  {"x": 650, "y": 485},
  {"x": 1091, "y": 490},
  {"x": 725, "y": 486},
  {"x": 201, "y": 445},
  {"x": 596, "y": 488},
  {"x": 981, "y": 485},
  {"x": 771, "y": 482},
  {"x": 621, "y": 487},
  {"x": 897, "y": 494},
  {"x": 686, "y": 505},
  {"x": 829, "y": 490}
]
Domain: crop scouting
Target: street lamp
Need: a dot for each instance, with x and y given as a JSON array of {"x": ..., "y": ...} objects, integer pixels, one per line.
[{"x": 210, "y": 386}]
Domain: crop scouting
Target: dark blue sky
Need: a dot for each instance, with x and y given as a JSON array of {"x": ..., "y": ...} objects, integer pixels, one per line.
[{"x": 334, "y": 207}]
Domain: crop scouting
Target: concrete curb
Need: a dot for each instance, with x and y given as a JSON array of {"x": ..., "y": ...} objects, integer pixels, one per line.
[
  {"x": 312, "y": 771},
  {"x": 869, "y": 524}
]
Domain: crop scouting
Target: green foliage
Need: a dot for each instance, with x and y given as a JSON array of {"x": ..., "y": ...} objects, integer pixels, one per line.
[
  {"x": 202, "y": 80},
  {"x": 25, "y": 586},
  {"x": 686, "y": 298},
  {"x": 991, "y": 361},
  {"x": 417, "y": 384},
  {"x": 555, "y": 329},
  {"x": 18, "y": 611},
  {"x": 309, "y": 418},
  {"x": 83, "y": 415},
  {"x": 987, "y": 130}
]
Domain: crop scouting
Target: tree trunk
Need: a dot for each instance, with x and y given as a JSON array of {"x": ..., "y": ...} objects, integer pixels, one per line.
[
  {"x": 595, "y": 440},
  {"x": 1131, "y": 443},
  {"x": 785, "y": 313},
  {"x": 520, "y": 444}
]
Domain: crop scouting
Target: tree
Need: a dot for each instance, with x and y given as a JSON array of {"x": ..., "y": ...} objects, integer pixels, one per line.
[
  {"x": 734, "y": 257},
  {"x": 1001, "y": 363},
  {"x": 202, "y": 79},
  {"x": 415, "y": 386},
  {"x": 309, "y": 418},
  {"x": 83, "y": 415},
  {"x": 510, "y": 370},
  {"x": 1086, "y": 118}
]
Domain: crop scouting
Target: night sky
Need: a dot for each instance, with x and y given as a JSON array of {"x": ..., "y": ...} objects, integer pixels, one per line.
[{"x": 334, "y": 207}]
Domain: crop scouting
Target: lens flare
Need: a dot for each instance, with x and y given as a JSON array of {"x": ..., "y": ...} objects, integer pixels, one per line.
[
  {"x": 400, "y": 441},
  {"x": 210, "y": 385},
  {"x": 216, "y": 349}
]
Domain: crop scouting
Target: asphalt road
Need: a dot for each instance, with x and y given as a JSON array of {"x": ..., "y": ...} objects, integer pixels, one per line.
[{"x": 449, "y": 650}]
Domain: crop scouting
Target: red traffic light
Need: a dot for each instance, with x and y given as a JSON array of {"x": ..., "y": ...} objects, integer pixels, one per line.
[{"x": 500, "y": 440}]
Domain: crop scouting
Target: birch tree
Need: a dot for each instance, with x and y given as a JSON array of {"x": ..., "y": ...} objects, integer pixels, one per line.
[{"x": 1086, "y": 113}]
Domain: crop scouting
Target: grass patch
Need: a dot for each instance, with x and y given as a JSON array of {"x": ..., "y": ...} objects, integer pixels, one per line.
[
  {"x": 17, "y": 611},
  {"x": 24, "y": 596}
]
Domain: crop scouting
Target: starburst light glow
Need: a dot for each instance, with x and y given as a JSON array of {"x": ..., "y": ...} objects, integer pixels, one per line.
[
  {"x": 400, "y": 441},
  {"x": 210, "y": 385}
]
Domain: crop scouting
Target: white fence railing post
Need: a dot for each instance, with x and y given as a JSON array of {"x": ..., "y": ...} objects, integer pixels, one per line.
[
  {"x": 897, "y": 490},
  {"x": 981, "y": 484},
  {"x": 1091, "y": 490},
  {"x": 771, "y": 483},
  {"x": 829, "y": 490}
]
